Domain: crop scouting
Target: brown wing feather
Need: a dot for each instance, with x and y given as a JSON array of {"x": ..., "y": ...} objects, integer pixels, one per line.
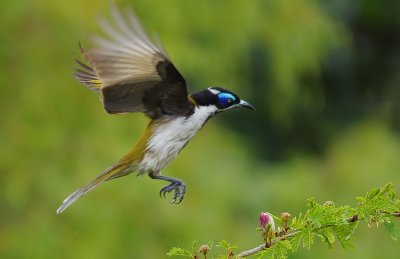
[{"x": 132, "y": 74}]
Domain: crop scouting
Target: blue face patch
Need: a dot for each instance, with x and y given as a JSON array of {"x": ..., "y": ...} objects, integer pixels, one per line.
[{"x": 226, "y": 99}]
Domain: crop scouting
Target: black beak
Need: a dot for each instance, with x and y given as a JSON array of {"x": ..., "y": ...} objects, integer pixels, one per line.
[{"x": 247, "y": 105}]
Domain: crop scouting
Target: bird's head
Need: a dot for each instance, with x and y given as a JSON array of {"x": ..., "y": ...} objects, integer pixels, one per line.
[{"x": 220, "y": 98}]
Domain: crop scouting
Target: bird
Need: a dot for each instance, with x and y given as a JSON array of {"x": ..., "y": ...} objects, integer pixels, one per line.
[{"x": 131, "y": 74}]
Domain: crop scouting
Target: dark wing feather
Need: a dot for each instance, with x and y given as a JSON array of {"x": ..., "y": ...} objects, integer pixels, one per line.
[{"x": 132, "y": 74}]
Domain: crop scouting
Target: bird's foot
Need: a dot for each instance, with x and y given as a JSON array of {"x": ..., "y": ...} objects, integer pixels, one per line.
[
  {"x": 179, "y": 189},
  {"x": 176, "y": 185}
]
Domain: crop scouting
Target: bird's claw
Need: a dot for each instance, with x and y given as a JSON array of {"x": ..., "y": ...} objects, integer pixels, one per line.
[{"x": 179, "y": 189}]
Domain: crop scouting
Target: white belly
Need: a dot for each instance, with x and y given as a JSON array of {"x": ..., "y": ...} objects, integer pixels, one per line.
[{"x": 169, "y": 137}]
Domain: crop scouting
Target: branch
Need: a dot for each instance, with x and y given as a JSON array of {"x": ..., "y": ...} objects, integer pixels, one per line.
[
  {"x": 325, "y": 221},
  {"x": 269, "y": 244},
  {"x": 265, "y": 246}
]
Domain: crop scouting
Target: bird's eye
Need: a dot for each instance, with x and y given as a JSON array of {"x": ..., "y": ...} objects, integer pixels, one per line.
[{"x": 226, "y": 99}]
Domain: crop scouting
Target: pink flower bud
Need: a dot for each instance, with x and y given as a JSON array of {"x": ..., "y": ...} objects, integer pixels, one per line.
[{"x": 266, "y": 219}]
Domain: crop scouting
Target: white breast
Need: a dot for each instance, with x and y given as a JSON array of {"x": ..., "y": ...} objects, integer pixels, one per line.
[{"x": 170, "y": 137}]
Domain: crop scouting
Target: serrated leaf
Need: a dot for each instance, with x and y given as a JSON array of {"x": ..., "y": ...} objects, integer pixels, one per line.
[
  {"x": 360, "y": 199},
  {"x": 286, "y": 244},
  {"x": 392, "y": 194},
  {"x": 228, "y": 247},
  {"x": 312, "y": 203},
  {"x": 267, "y": 253},
  {"x": 329, "y": 237},
  {"x": 386, "y": 188},
  {"x": 296, "y": 242},
  {"x": 308, "y": 239},
  {"x": 194, "y": 244},
  {"x": 345, "y": 234},
  {"x": 223, "y": 244},
  {"x": 392, "y": 230},
  {"x": 177, "y": 251},
  {"x": 373, "y": 193},
  {"x": 294, "y": 221},
  {"x": 387, "y": 207}
]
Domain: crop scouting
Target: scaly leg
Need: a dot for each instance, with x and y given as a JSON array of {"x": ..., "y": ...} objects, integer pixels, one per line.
[{"x": 176, "y": 185}]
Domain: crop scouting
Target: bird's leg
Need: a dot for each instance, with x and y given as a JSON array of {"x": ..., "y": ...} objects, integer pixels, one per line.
[{"x": 176, "y": 185}]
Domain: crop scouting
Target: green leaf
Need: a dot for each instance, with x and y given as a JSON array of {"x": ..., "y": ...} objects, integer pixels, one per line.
[
  {"x": 360, "y": 199},
  {"x": 392, "y": 194},
  {"x": 226, "y": 245},
  {"x": 194, "y": 246},
  {"x": 312, "y": 203},
  {"x": 286, "y": 244},
  {"x": 296, "y": 242},
  {"x": 386, "y": 188},
  {"x": 308, "y": 239},
  {"x": 329, "y": 237},
  {"x": 280, "y": 249},
  {"x": 177, "y": 251},
  {"x": 392, "y": 230},
  {"x": 267, "y": 253},
  {"x": 345, "y": 234},
  {"x": 373, "y": 193},
  {"x": 387, "y": 207}
]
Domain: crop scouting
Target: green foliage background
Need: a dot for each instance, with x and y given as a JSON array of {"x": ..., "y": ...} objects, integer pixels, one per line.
[{"x": 324, "y": 77}]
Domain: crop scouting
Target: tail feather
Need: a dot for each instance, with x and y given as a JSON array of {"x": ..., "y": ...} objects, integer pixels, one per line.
[{"x": 106, "y": 175}]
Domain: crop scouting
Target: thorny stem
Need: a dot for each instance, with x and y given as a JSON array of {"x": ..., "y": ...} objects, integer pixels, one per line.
[
  {"x": 267, "y": 245},
  {"x": 291, "y": 234},
  {"x": 396, "y": 214}
]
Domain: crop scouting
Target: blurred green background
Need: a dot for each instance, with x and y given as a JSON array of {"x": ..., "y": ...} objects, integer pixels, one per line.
[{"x": 324, "y": 76}]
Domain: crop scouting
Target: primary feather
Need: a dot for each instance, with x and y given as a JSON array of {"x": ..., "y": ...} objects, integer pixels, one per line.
[{"x": 131, "y": 73}]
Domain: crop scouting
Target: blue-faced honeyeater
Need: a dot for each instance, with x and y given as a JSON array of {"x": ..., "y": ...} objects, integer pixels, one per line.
[{"x": 132, "y": 74}]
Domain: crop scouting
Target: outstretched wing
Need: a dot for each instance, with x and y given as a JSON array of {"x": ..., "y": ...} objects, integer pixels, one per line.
[{"x": 131, "y": 73}]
